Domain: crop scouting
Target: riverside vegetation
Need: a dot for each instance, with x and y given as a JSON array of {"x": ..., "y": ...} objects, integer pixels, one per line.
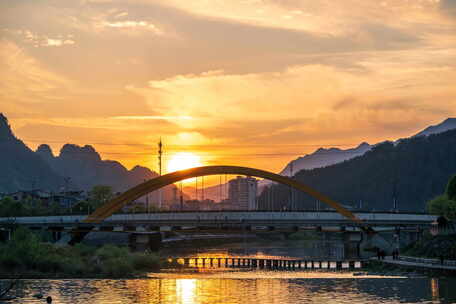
[{"x": 26, "y": 255}]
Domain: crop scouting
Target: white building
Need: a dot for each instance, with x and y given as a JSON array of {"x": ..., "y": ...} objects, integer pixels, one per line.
[{"x": 242, "y": 193}]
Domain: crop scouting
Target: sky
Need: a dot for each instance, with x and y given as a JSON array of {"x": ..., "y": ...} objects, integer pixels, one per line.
[{"x": 247, "y": 82}]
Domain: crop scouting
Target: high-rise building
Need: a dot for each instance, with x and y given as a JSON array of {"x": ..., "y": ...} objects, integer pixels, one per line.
[{"x": 242, "y": 193}]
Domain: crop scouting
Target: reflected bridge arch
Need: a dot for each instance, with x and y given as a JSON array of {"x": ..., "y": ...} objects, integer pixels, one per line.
[{"x": 151, "y": 185}]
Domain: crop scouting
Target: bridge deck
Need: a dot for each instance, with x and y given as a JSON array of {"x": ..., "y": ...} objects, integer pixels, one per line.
[{"x": 259, "y": 218}]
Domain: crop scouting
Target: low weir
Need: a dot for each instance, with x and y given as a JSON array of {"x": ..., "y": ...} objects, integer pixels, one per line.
[{"x": 266, "y": 263}]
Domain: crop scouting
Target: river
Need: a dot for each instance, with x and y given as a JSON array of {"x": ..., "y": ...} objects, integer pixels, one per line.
[
  {"x": 213, "y": 285},
  {"x": 242, "y": 288}
]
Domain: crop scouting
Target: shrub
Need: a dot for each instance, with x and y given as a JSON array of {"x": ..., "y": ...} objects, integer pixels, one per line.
[
  {"x": 49, "y": 263},
  {"x": 145, "y": 261},
  {"x": 84, "y": 250},
  {"x": 118, "y": 267},
  {"x": 74, "y": 266},
  {"x": 9, "y": 261},
  {"x": 111, "y": 251}
]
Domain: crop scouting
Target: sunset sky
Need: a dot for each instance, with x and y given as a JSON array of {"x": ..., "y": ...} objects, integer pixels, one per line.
[{"x": 247, "y": 82}]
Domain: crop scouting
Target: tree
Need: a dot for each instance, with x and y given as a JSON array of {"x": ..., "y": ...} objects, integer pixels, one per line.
[
  {"x": 451, "y": 188},
  {"x": 442, "y": 205},
  {"x": 99, "y": 195},
  {"x": 445, "y": 204},
  {"x": 10, "y": 207}
]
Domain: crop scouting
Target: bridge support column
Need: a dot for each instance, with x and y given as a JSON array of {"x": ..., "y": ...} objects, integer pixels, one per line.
[
  {"x": 5, "y": 235},
  {"x": 352, "y": 241},
  {"x": 275, "y": 264},
  {"x": 143, "y": 241}
]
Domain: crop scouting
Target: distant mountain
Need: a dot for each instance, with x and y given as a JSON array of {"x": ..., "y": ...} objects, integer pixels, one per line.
[
  {"x": 79, "y": 168},
  {"x": 215, "y": 193},
  {"x": 20, "y": 167},
  {"x": 327, "y": 157},
  {"x": 448, "y": 124},
  {"x": 410, "y": 171},
  {"x": 323, "y": 158},
  {"x": 85, "y": 169}
]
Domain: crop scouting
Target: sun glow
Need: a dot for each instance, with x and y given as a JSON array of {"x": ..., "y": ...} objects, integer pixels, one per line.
[{"x": 183, "y": 160}]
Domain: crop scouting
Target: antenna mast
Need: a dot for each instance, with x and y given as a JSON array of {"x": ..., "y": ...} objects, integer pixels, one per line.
[{"x": 160, "y": 152}]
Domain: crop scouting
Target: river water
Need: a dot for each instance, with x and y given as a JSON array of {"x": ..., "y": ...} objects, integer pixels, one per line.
[
  {"x": 213, "y": 285},
  {"x": 243, "y": 288}
]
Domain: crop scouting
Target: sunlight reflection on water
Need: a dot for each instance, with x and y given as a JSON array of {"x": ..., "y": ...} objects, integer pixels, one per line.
[{"x": 242, "y": 287}]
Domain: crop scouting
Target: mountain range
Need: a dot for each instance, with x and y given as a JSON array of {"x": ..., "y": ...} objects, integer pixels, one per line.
[
  {"x": 410, "y": 172},
  {"x": 323, "y": 158},
  {"x": 21, "y": 168},
  {"x": 327, "y": 157},
  {"x": 74, "y": 168},
  {"x": 447, "y": 124},
  {"x": 81, "y": 167}
]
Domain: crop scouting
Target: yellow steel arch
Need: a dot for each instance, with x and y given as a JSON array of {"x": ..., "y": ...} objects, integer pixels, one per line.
[{"x": 156, "y": 183}]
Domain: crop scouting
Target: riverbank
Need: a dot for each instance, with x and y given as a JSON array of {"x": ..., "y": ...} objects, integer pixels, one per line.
[
  {"x": 394, "y": 267},
  {"x": 26, "y": 256},
  {"x": 433, "y": 247}
]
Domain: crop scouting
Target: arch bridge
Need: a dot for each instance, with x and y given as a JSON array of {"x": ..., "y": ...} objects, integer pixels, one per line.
[{"x": 151, "y": 185}]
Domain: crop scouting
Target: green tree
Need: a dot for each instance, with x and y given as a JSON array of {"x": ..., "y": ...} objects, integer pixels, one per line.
[
  {"x": 442, "y": 205},
  {"x": 99, "y": 195},
  {"x": 445, "y": 204},
  {"x": 10, "y": 207}
]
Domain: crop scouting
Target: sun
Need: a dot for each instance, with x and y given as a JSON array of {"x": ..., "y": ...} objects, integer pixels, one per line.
[{"x": 183, "y": 160}]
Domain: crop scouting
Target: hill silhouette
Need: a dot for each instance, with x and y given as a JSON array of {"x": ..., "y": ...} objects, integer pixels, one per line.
[
  {"x": 77, "y": 168},
  {"x": 20, "y": 167},
  {"x": 410, "y": 171}
]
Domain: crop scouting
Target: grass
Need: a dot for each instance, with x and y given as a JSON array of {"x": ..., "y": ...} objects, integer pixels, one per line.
[{"x": 26, "y": 255}]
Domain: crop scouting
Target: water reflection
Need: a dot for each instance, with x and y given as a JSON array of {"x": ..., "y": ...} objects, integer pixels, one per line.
[{"x": 253, "y": 289}]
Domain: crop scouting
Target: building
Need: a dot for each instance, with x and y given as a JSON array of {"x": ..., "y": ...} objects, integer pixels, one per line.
[
  {"x": 242, "y": 193},
  {"x": 68, "y": 199},
  {"x": 33, "y": 195},
  {"x": 64, "y": 199}
]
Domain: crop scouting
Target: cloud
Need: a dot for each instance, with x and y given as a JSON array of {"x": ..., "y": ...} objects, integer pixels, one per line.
[
  {"x": 266, "y": 72},
  {"x": 300, "y": 100},
  {"x": 133, "y": 25},
  {"x": 153, "y": 117},
  {"x": 38, "y": 40},
  {"x": 58, "y": 42},
  {"x": 448, "y": 6}
]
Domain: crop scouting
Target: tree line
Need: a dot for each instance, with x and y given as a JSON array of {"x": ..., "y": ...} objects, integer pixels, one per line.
[{"x": 402, "y": 176}]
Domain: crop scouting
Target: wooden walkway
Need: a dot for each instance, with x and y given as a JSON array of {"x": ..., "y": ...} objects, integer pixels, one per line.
[
  {"x": 289, "y": 264},
  {"x": 420, "y": 263}
]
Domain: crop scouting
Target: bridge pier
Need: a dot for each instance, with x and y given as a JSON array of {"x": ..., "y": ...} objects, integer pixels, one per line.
[
  {"x": 56, "y": 235},
  {"x": 143, "y": 241},
  {"x": 352, "y": 242},
  {"x": 5, "y": 235}
]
